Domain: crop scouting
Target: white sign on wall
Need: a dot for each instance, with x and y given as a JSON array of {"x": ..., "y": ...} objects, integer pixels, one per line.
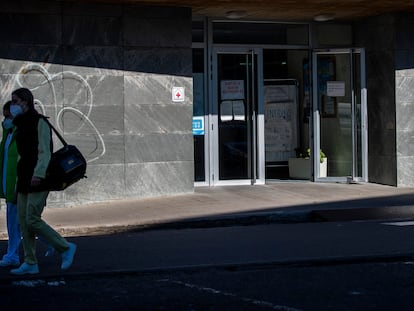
[{"x": 178, "y": 94}]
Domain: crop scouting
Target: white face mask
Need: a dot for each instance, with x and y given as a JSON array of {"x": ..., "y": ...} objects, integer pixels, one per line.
[
  {"x": 8, "y": 124},
  {"x": 15, "y": 110}
]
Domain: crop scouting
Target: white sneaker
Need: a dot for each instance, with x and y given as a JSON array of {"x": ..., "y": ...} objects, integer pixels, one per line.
[
  {"x": 25, "y": 268},
  {"x": 67, "y": 257}
]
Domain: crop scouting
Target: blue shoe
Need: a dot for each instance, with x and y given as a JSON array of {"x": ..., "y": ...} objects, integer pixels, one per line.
[
  {"x": 6, "y": 263},
  {"x": 25, "y": 268},
  {"x": 67, "y": 257}
]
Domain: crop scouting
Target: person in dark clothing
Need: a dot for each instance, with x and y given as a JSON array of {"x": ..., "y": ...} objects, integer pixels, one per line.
[{"x": 34, "y": 146}]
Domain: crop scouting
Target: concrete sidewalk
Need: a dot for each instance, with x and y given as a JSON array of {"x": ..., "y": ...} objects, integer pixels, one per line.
[{"x": 226, "y": 205}]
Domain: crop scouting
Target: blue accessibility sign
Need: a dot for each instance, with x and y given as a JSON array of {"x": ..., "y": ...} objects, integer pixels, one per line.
[{"x": 198, "y": 125}]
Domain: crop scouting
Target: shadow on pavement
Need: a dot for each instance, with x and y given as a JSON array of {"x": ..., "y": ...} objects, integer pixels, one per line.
[{"x": 400, "y": 207}]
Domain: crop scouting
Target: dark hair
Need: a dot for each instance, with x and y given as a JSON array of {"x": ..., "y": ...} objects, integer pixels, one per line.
[
  {"x": 7, "y": 105},
  {"x": 25, "y": 95}
]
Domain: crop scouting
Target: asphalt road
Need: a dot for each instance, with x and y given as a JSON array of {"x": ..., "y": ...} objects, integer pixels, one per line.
[
  {"x": 306, "y": 266},
  {"x": 345, "y": 287},
  {"x": 233, "y": 246}
]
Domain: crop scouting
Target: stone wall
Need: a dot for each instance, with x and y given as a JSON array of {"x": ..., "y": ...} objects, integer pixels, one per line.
[
  {"x": 377, "y": 36},
  {"x": 404, "y": 96},
  {"x": 104, "y": 74},
  {"x": 389, "y": 42}
]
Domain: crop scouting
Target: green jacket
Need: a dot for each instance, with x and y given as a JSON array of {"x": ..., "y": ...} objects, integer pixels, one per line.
[{"x": 11, "y": 172}]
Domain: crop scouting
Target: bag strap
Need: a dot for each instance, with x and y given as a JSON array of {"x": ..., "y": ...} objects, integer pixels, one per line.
[{"x": 56, "y": 131}]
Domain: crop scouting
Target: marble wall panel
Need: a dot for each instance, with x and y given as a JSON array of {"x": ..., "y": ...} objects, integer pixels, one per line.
[
  {"x": 91, "y": 9},
  {"x": 404, "y": 32},
  {"x": 91, "y": 30},
  {"x": 47, "y": 93},
  {"x": 405, "y": 113},
  {"x": 382, "y": 170},
  {"x": 36, "y": 29},
  {"x": 171, "y": 32},
  {"x": 97, "y": 60},
  {"x": 90, "y": 91},
  {"x": 404, "y": 94},
  {"x": 47, "y": 90},
  {"x": 156, "y": 89},
  {"x": 405, "y": 175},
  {"x": 33, "y": 6},
  {"x": 405, "y": 143},
  {"x": 380, "y": 69},
  {"x": 158, "y": 119},
  {"x": 157, "y": 12},
  {"x": 404, "y": 90},
  {"x": 174, "y": 61},
  {"x": 381, "y": 111},
  {"x": 377, "y": 37},
  {"x": 154, "y": 179},
  {"x": 105, "y": 120},
  {"x": 381, "y": 115},
  {"x": 55, "y": 199},
  {"x": 158, "y": 148},
  {"x": 404, "y": 63},
  {"x": 382, "y": 142},
  {"x": 16, "y": 58},
  {"x": 98, "y": 149},
  {"x": 7, "y": 85},
  {"x": 91, "y": 86},
  {"x": 105, "y": 182}
]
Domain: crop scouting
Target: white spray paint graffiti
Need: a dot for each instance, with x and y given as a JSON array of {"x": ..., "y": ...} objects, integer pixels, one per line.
[{"x": 60, "y": 111}]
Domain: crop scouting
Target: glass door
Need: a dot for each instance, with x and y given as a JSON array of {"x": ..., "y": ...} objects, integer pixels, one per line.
[
  {"x": 235, "y": 120},
  {"x": 339, "y": 116}
]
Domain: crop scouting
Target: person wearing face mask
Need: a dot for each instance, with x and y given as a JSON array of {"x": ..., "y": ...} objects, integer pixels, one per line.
[
  {"x": 8, "y": 161},
  {"x": 34, "y": 146}
]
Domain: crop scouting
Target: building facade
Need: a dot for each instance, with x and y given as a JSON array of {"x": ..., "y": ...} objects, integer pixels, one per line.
[{"x": 160, "y": 99}]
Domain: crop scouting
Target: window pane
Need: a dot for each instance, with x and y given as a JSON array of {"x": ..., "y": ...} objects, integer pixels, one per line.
[
  {"x": 198, "y": 111},
  {"x": 198, "y": 31},
  {"x": 260, "y": 33}
]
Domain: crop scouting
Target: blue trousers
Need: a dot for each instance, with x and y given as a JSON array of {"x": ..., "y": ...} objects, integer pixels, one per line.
[{"x": 13, "y": 230}]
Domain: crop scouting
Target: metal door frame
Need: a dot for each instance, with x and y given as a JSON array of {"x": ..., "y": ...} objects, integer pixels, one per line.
[
  {"x": 258, "y": 157},
  {"x": 364, "y": 117}
]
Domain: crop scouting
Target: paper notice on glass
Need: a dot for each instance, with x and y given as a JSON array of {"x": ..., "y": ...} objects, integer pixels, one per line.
[
  {"x": 238, "y": 110},
  {"x": 232, "y": 89},
  {"x": 335, "y": 88},
  {"x": 226, "y": 111},
  {"x": 278, "y": 93}
]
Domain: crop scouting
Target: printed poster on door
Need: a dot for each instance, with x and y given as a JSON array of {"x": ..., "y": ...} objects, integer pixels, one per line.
[
  {"x": 232, "y": 89},
  {"x": 280, "y": 122}
]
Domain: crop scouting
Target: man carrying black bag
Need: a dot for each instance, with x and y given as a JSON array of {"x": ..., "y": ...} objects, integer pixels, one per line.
[{"x": 34, "y": 145}]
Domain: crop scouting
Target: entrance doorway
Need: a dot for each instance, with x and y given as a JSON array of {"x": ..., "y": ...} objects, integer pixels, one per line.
[
  {"x": 237, "y": 129},
  {"x": 267, "y": 99},
  {"x": 340, "y": 115}
]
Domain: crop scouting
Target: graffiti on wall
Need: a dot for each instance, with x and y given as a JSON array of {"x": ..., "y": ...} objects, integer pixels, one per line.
[{"x": 96, "y": 145}]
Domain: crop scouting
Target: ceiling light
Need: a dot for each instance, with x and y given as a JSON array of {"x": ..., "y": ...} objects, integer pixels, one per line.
[
  {"x": 236, "y": 14},
  {"x": 324, "y": 17}
]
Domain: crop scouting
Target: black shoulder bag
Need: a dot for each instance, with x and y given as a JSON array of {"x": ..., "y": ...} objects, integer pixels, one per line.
[{"x": 67, "y": 165}]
